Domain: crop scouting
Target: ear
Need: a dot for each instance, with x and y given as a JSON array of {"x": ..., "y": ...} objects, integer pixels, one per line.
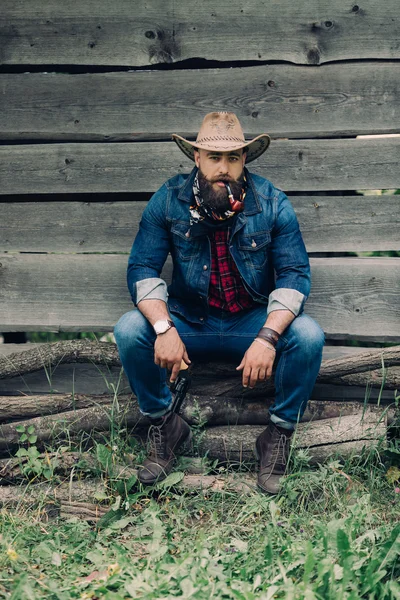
[{"x": 197, "y": 158}]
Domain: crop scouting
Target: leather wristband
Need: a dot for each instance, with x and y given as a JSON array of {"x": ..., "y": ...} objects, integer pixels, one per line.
[{"x": 269, "y": 335}]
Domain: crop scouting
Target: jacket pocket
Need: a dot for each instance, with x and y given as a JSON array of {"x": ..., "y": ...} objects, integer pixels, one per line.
[
  {"x": 183, "y": 245},
  {"x": 254, "y": 248}
]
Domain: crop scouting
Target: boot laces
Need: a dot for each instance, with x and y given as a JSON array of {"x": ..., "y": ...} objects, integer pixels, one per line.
[
  {"x": 156, "y": 440},
  {"x": 279, "y": 451}
]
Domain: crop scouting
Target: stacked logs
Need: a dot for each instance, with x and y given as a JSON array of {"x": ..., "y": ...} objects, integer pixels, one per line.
[
  {"x": 232, "y": 416},
  {"x": 226, "y": 419}
]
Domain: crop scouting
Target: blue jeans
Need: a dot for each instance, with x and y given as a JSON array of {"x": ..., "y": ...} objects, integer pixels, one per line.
[{"x": 223, "y": 336}]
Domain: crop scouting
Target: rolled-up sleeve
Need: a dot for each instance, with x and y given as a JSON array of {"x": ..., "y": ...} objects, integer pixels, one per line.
[
  {"x": 290, "y": 260},
  {"x": 153, "y": 288},
  {"x": 286, "y": 299}
]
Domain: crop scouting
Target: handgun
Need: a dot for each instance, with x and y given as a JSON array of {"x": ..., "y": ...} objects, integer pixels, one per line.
[{"x": 180, "y": 387}]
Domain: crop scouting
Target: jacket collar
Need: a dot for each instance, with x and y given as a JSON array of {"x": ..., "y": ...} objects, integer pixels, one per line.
[{"x": 251, "y": 202}]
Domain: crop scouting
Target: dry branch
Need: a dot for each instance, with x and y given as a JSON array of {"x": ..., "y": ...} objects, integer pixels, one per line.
[{"x": 82, "y": 510}]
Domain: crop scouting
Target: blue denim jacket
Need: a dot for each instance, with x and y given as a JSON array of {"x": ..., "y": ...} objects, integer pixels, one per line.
[{"x": 265, "y": 243}]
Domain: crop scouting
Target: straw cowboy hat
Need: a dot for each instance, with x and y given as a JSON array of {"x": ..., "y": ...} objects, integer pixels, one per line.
[{"x": 222, "y": 132}]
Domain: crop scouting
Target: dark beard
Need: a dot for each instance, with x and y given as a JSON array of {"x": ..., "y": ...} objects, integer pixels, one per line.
[{"x": 217, "y": 200}]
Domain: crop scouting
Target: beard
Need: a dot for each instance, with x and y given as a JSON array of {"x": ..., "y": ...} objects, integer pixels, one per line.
[{"x": 217, "y": 199}]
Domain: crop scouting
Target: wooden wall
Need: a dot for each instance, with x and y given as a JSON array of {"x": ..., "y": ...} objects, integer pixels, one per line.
[{"x": 91, "y": 92}]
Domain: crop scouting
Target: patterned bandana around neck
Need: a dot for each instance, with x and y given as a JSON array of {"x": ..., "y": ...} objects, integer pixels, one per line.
[{"x": 200, "y": 211}]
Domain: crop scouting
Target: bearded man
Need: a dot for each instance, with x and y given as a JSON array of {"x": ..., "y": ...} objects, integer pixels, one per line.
[{"x": 240, "y": 280}]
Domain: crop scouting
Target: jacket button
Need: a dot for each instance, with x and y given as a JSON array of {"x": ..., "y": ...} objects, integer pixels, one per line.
[
  {"x": 201, "y": 319},
  {"x": 205, "y": 268},
  {"x": 253, "y": 245}
]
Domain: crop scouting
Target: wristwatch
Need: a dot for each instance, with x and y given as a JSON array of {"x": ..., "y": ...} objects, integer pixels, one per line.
[{"x": 163, "y": 326}]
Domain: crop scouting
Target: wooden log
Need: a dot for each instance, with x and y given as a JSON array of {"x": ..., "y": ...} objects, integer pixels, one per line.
[
  {"x": 323, "y": 439},
  {"x": 211, "y": 410},
  {"x": 146, "y": 105},
  {"x": 45, "y": 493},
  {"x": 163, "y": 31},
  {"x": 95, "y": 380},
  {"x": 82, "y": 493},
  {"x": 328, "y": 224},
  {"x": 13, "y": 469},
  {"x": 319, "y": 429},
  {"x": 69, "y": 351},
  {"x": 69, "y": 423},
  {"x": 293, "y": 165},
  {"x": 106, "y": 353},
  {"x": 14, "y": 408}
]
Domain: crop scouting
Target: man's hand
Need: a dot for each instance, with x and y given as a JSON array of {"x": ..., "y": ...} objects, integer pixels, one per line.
[
  {"x": 257, "y": 364},
  {"x": 169, "y": 351}
]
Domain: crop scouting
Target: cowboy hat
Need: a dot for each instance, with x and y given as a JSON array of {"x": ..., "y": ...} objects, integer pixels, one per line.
[{"x": 222, "y": 132}]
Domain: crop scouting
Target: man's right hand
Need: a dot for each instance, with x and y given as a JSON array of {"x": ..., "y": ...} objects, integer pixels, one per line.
[{"x": 169, "y": 351}]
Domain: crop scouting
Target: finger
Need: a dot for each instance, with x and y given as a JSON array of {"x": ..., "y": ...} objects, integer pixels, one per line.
[
  {"x": 253, "y": 378},
  {"x": 240, "y": 367},
  {"x": 186, "y": 358},
  {"x": 269, "y": 372},
  {"x": 246, "y": 376},
  {"x": 262, "y": 375},
  {"x": 175, "y": 371}
]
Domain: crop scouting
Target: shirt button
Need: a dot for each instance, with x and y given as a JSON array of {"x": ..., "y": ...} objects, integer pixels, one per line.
[{"x": 205, "y": 268}]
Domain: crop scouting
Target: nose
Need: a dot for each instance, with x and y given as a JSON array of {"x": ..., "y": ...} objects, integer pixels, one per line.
[{"x": 223, "y": 166}]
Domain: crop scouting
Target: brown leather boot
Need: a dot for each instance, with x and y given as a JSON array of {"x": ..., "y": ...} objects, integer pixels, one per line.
[
  {"x": 272, "y": 450},
  {"x": 166, "y": 435}
]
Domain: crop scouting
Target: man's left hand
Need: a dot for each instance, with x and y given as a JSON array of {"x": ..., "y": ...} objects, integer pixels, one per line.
[{"x": 257, "y": 364}]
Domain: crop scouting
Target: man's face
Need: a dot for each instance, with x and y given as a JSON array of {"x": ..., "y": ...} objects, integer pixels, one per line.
[{"x": 215, "y": 168}]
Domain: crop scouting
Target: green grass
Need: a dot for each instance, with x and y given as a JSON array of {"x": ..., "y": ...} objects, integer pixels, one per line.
[{"x": 333, "y": 533}]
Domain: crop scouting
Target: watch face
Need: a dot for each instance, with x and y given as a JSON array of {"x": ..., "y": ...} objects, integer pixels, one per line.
[{"x": 161, "y": 327}]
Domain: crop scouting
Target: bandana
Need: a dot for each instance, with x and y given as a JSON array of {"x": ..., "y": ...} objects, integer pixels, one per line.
[{"x": 200, "y": 211}]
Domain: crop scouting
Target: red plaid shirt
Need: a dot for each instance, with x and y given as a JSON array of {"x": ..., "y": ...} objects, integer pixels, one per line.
[{"x": 226, "y": 289}]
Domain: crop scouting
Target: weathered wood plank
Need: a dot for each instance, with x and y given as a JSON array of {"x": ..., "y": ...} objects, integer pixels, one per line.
[
  {"x": 283, "y": 100},
  {"x": 351, "y": 297},
  {"x": 328, "y": 224},
  {"x": 302, "y": 165},
  {"x": 98, "y": 32}
]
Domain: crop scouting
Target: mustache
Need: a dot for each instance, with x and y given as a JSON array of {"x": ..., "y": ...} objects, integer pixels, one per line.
[{"x": 223, "y": 179}]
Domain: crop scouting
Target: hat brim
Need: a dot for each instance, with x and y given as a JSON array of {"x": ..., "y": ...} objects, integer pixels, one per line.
[{"x": 255, "y": 147}]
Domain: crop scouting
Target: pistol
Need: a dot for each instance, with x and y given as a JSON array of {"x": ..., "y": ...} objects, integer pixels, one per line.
[{"x": 180, "y": 387}]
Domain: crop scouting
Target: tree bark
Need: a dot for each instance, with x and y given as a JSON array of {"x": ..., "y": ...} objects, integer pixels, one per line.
[{"x": 106, "y": 353}]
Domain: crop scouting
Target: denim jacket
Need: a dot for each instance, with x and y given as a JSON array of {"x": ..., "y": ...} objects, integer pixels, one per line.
[{"x": 265, "y": 243}]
